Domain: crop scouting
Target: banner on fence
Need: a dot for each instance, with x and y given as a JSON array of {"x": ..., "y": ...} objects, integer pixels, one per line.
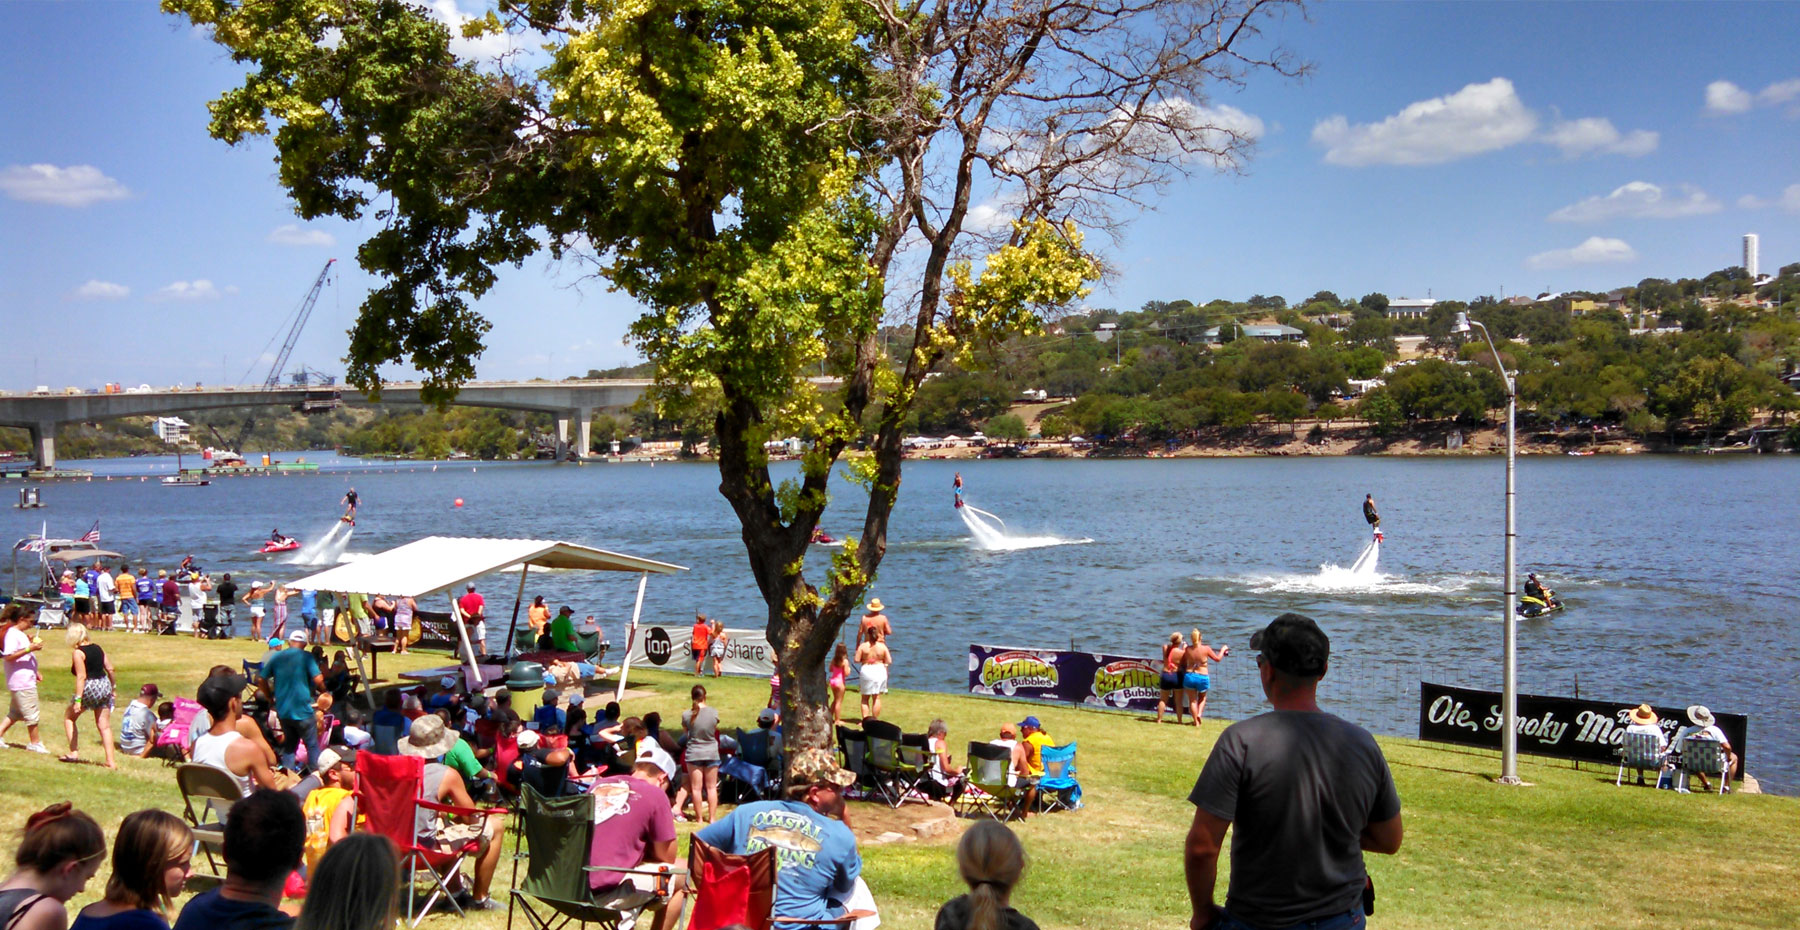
[
  {"x": 747, "y": 652},
  {"x": 1124, "y": 682},
  {"x": 1566, "y": 728}
]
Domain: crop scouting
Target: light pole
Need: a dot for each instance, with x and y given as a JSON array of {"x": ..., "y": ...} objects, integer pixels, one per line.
[{"x": 1509, "y": 698}]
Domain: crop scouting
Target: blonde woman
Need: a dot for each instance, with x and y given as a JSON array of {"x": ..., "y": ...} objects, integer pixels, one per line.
[
  {"x": 717, "y": 650},
  {"x": 152, "y": 859},
  {"x": 93, "y": 691},
  {"x": 1196, "y": 679},
  {"x": 875, "y": 660},
  {"x": 992, "y": 861},
  {"x": 1170, "y": 681}
]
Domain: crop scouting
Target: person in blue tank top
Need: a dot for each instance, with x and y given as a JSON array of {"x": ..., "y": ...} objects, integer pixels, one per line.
[{"x": 152, "y": 859}]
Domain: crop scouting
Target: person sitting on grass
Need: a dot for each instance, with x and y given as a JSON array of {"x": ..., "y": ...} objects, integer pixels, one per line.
[
  {"x": 355, "y": 887},
  {"x": 140, "y": 727},
  {"x": 264, "y": 837},
  {"x": 62, "y": 849},
  {"x": 152, "y": 858},
  {"x": 991, "y": 860}
]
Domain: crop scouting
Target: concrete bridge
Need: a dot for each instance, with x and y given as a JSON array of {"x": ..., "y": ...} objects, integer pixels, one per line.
[{"x": 571, "y": 401}]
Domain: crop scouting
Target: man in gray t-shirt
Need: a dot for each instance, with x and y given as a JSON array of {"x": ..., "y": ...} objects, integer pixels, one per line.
[{"x": 1308, "y": 792}]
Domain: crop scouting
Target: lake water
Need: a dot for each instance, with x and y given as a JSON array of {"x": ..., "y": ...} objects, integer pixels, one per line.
[{"x": 1679, "y": 571}]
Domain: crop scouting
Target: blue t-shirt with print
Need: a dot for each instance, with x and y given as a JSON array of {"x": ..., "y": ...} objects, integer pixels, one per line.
[
  {"x": 815, "y": 856},
  {"x": 290, "y": 673},
  {"x": 309, "y": 602}
]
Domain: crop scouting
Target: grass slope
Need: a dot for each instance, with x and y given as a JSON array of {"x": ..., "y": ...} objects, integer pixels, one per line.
[{"x": 1571, "y": 851}]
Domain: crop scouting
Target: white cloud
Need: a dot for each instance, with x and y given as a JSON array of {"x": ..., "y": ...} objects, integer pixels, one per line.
[
  {"x": 1639, "y": 200},
  {"x": 1479, "y": 118},
  {"x": 100, "y": 290},
  {"x": 74, "y": 186},
  {"x": 482, "y": 48},
  {"x": 1790, "y": 198},
  {"x": 1726, "y": 97},
  {"x": 1595, "y": 251},
  {"x": 1752, "y": 202},
  {"x": 1597, "y": 135},
  {"x": 197, "y": 289},
  {"x": 290, "y": 234},
  {"x": 1779, "y": 92}
]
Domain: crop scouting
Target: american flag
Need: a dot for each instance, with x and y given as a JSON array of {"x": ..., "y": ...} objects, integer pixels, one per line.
[
  {"x": 92, "y": 535},
  {"x": 34, "y": 544}
]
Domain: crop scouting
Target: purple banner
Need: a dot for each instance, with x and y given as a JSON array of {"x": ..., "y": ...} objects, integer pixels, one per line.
[{"x": 1096, "y": 679}]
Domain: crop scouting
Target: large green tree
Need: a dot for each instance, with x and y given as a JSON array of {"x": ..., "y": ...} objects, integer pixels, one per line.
[{"x": 774, "y": 180}]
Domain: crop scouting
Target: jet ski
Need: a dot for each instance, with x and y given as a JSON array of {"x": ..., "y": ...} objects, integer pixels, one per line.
[
  {"x": 822, "y": 538},
  {"x": 284, "y": 544},
  {"x": 1539, "y": 607}
]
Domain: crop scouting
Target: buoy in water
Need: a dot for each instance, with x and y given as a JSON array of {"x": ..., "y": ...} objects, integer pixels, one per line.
[{"x": 459, "y": 502}]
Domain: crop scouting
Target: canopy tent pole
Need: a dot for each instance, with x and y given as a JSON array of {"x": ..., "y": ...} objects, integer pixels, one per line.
[
  {"x": 512, "y": 629},
  {"x": 631, "y": 637},
  {"x": 462, "y": 637}
]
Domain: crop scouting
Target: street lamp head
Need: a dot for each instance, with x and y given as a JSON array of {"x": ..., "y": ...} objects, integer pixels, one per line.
[{"x": 1461, "y": 326}]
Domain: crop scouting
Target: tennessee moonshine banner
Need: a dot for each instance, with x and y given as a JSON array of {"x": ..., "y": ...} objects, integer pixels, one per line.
[
  {"x": 1566, "y": 728},
  {"x": 1124, "y": 682}
]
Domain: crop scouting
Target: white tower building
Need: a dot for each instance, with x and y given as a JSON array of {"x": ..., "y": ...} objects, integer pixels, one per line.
[{"x": 1750, "y": 244}]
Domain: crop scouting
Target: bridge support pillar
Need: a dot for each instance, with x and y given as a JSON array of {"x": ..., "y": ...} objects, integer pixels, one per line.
[
  {"x": 562, "y": 437},
  {"x": 584, "y": 432},
  {"x": 43, "y": 444}
]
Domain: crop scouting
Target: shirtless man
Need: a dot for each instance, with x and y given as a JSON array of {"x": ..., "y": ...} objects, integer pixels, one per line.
[
  {"x": 877, "y": 620},
  {"x": 1172, "y": 652},
  {"x": 1196, "y": 677}
]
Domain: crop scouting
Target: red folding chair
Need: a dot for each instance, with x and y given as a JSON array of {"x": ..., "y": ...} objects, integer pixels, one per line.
[
  {"x": 388, "y": 790},
  {"x": 506, "y": 752}
]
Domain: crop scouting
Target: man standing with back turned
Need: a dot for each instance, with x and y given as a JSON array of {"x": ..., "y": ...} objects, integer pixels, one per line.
[{"x": 1309, "y": 792}]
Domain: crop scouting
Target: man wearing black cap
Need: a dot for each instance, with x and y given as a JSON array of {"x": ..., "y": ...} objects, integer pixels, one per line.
[{"x": 1309, "y": 793}]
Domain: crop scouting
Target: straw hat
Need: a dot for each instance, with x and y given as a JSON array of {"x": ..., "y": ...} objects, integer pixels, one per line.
[
  {"x": 1700, "y": 715},
  {"x": 875, "y": 606},
  {"x": 1642, "y": 714}
]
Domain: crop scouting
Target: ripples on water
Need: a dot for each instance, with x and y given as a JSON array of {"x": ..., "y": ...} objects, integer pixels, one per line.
[{"x": 1678, "y": 571}]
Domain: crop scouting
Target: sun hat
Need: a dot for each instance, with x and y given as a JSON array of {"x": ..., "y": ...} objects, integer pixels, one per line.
[
  {"x": 1643, "y": 714},
  {"x": 528, "y": 739},
  {"x": 1700, "y": 715},
  {"x": 875, "y": 605},
  {"x": 1295, "y": 645},
  {"x": 819, "y": 767},
  {"x": 298, "y": 636},
  {"x": 428, "y": 738}
]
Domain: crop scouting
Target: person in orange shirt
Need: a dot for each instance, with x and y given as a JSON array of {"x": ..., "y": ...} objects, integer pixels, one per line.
[{"x": 702, "y": 634}]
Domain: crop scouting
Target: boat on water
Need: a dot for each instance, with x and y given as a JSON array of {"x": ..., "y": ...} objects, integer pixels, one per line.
[
  {"x": 184, "y": 481},
  {"x": 284, "y": 544},
  {"x": 37, "y": 561}
]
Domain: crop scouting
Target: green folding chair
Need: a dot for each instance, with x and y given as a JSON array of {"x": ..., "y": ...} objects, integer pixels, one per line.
[{"x": 554, "y": 894}]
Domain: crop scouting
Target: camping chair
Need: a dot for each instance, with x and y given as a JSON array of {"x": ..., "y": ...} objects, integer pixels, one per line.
[
  {"x": 894, "y": 777},
  {"x": 1059, "y": 790},
  {"x": 524, "y": 640},
  {"x": 216, "y": 790},
  {"x": 748, "y": 768},
  {"x": 989, "y": 791},
  {"x": 1703, "y": 757},
  {"x": 730, "y": 889},
  {"x": 558, "y": 833},
  {"x": 1645, "y": 752},
  {"x": 853, "y": 746},
  {"x": 173, "y": 742},
  {"x": 589, "y": 645},
  {"x": 387, "y": 795}
]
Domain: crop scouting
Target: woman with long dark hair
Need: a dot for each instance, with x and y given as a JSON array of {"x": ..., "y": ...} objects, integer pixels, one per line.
[
  {"x": 151, "y": 861},
  {"x": 356, "y": 886},
  {"x": 992, "y": 861}
]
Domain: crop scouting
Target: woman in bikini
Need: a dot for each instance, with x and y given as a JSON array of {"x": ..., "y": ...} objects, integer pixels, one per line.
[
  {"x": 840, "y": 668},
  {"x": 1196, "y": 677},
  {"x": 875, "y": 660},
  {"x": 1171, "y": 678},
  {"x": 717, "y": 649}
]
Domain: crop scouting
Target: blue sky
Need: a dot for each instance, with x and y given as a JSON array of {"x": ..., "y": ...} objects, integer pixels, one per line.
[{"x": 1446, "y": 148}]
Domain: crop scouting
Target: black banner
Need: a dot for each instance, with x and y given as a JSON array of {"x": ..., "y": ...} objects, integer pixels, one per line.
[{"x": 1566, "y": 728}]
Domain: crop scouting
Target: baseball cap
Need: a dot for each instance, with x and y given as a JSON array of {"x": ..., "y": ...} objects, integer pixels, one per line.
[
  {"x": 1295, "y": 645},
  {"x": 528, "y": 739},
  {"x": 150, "y": 690},
  {"x": 766, "y": 715},
  {"x": 1031, "y": 722},
  {"x": 448, "y": 681},
  {"x": 298, "y": 636},
  {"x": 818, "y": 766},
  {"x": 551, "y": 696},
  {"x": 336, "y": 755},
  {"x": 229, "y": 684}
]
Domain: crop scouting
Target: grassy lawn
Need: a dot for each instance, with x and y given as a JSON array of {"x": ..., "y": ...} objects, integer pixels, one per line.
[{"x": 1571, "y": 851}]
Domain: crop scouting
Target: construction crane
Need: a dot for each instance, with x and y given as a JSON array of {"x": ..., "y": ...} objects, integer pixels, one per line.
[{"x": 273, "y": 381}]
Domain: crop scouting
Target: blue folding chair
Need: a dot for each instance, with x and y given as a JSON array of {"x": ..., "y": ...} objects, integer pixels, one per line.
[{"x": 1059, "y": 789}]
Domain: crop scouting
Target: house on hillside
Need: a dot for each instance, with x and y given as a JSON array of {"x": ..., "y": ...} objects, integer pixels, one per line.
[
  {"x": 1409, "y": 308},
  {"x": 171, "y": 430},
  {"x": 1579, "y": 307},
  {"x": 1615, "y": 300},
  {"x": 1267, "y": 332}
]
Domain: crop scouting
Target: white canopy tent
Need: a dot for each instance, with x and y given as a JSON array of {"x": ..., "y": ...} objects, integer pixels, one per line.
[{"x": 441, "y": 563}]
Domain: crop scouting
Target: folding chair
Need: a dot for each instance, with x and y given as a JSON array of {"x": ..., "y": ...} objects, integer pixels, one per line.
[
  {"x": 853, "y": 747},
  {"x": 1645, "y": 752},
  {"x": 387, "y": 795},
  {"x": 1703, "y": 757},
  {"x": 524, "y": 640},
  {"x": 894, "y": 777},
  {"x": 989, "y": 791},
  {"x": 559, "y": 833},
  {"x": 1059, "y": 790},
  {"x": 173, "y": 742},
  {"x": 731, "y": 889},
  {"x": 216, "y": 790}
]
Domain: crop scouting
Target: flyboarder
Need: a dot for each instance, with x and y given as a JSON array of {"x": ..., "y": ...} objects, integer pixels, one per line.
[
  {"x": 957, "y": 487},
  {"x": 350, "y": 502},
  {"x": 1371, "y": 515}
]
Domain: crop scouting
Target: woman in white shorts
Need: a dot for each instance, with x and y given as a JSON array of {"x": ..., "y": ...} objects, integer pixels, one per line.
[
  {"x": 717, "y": 649},
  {"x": 403, "y": 621},
  {"x": 875, "y": 660}
]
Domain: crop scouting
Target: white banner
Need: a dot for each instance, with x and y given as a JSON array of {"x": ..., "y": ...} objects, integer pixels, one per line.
[{"x": 747, "y": 652}]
